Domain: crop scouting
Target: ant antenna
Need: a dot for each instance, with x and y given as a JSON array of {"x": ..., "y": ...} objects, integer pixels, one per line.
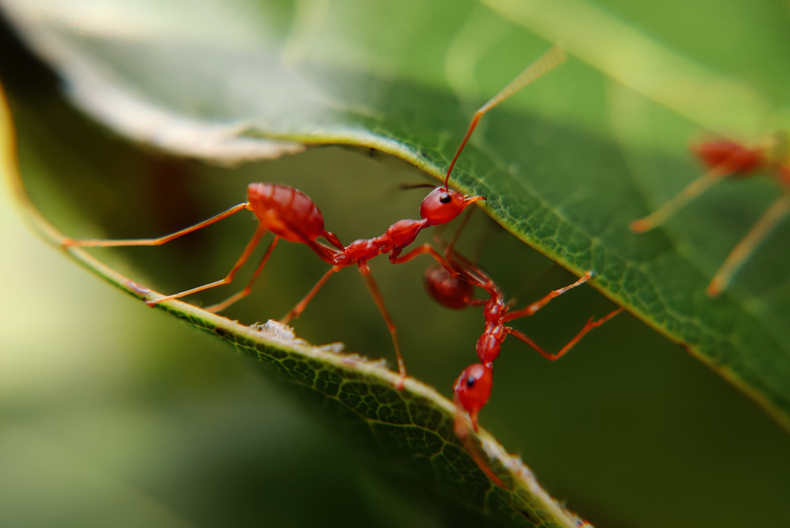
[
  {"x": 691, "y": 191},
  {"x": 408, "y": 186},
  {"x": 756, "y": 235},
  {"x": 550, "y": 60}
]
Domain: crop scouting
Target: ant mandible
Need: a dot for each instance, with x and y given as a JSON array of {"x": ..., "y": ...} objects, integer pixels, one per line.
[
  {"x": 291, "y": 215},
  {"x": 725, "y": 158}
]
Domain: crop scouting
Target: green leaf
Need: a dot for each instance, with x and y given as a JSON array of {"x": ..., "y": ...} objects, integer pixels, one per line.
[
  {"x": 412, "y": 429},
  {"x": 566, "y": 167}
]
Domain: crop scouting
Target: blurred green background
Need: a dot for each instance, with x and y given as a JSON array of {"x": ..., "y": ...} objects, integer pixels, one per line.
[{"x": 112, "y": 414}]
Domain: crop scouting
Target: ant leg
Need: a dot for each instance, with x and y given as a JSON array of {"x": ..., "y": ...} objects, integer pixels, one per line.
[
  {"x": 543, "y": 65},
  {"x": 421, "y": 250},
  {"x": 68, "y": 242},
  {"x": 379, "y": 299},
  {"x": 469, "y": 272},
  {"x": 691, "y": 191},
  {"x": 552, "y": 357},
  {"x": 461, "y": 430},
  {"x": 299, "y": 308},
  {"x": 778, "y": 210},
  {"x": 251, "y": 245},
  {"x": 246, "y": 291},
  {"x": 459, "y": 267},
  {"x": 537, "y": 305},
  {"x": 449, "y": 249}
]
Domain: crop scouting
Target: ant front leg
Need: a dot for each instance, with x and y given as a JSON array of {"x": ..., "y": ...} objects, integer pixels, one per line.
[
  {"x": 449, "y": 250},
  {"x": 396, "y": 258},
  {"x": 691, "y": 191},
  {"x": 553, "y": 357},
  {"x": 537, "y": 305}
]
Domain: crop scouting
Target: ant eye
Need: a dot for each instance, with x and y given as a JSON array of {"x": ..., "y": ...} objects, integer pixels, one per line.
[
  {"x": 470, "y": 382},
  {"x": 445, "y": 198}
]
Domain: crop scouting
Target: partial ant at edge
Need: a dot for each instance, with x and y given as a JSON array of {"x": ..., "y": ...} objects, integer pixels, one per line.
[{"x": 728, "y": 159}]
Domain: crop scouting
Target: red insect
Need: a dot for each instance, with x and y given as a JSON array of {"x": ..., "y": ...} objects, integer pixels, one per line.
[
  {"x": 291, "y": 215},
  {"x": 729, "y": 159},
  {"x": 473, "y": 387}
]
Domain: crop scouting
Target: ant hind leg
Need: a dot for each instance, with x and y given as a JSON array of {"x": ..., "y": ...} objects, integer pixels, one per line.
[
  {"x": 745, "y": 248},
  {"x": 691, "y": 191},
  {"x": 246, "y": 291},
  {"x": 251, "y": 245},
  {"x": 68, "y": 242}
]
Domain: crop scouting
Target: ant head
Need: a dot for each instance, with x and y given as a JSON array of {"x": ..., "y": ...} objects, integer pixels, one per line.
[
  {"x": 443, "y": 204},
  {"x": 472, "y": 389}
]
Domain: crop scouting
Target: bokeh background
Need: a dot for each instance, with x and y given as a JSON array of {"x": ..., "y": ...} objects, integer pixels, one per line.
[{"x": 112, "y": 414}]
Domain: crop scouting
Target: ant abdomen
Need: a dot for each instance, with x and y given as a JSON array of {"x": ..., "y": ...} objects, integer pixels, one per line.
[
  {"x": 285, "y": 211},
  {"x": 452, "y": 292}
]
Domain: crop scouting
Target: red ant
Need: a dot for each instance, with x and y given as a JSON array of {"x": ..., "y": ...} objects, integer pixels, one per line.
[
  {"x": 473, "y": 387},
  {"x": 729, "y": 159},
  {"x": 291, "y": 215}
]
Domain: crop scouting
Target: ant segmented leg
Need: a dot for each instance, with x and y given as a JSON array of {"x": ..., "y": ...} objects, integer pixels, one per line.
[
  {"x": 756, "y": 235},
  {"x": 299, "y": 308},
  {"x": 68, "y": 242},
  {"x": 537, "y": 305},
  {"x": 251, "y": 245},
  {"x": 248, "y": 288},
  {"x": 422, "y": 250},
  {"x": 691, "y": 191},
  {"x": 448, "y": 250},
  {"x": 379, "y": 299},
  {"x": 731, "y": 159},
  {"x": 553, "y": 357}
]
